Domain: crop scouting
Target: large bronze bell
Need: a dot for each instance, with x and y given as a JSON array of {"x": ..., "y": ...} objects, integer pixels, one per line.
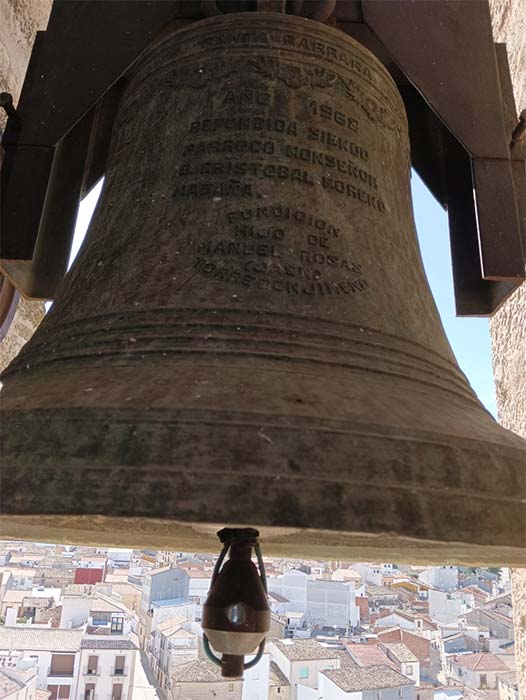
[{"x": 247, "y": 336}]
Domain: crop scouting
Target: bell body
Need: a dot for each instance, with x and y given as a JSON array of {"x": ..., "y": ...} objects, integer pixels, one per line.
[{"x": 247, "y": 335}]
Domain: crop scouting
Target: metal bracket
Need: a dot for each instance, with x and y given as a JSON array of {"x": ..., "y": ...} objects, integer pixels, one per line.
[{"x": 454, "y": 80}]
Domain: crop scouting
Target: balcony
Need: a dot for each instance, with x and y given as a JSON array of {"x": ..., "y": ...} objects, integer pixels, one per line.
[
  {"x": 91, "y": 671},
  {"x": 120, "y": 671},
  {"x": 59, "y": 674}
]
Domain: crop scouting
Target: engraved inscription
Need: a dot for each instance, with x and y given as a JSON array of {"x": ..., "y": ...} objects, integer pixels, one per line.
[
  {"x": 328, "y": 138},
  {"x": 244, "y": 123},
  {"x": 245, "y": 97},
  {"x": 272, "y": 122},
  {"x": 327, "y": 111},
  {"x": 306, "y": 44},
  {"x": 267, "y": 258},
  {"x": 229, "y": 147},
  {"x": 231, "y": 164},
  {"x": 282, "y": 213}
]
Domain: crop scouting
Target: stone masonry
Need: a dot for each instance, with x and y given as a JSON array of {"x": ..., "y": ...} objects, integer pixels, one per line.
[
  {"x": 508, "y": 326},
  {"x": 19, "y": 22}
]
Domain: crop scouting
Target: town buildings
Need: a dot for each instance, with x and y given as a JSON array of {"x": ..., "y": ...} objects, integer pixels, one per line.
[
  {"x": 334, "y": 635},
  {"x": 480, "y": 670},
  {"x": 202, "y": 680},
  {"x": 18, "y": 682}
]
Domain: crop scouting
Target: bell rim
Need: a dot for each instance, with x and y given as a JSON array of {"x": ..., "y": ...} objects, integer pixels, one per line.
[{"x": 158, "y": 533}]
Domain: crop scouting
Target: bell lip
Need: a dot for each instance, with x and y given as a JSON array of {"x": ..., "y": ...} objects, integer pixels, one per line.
[{"x": 157, "y": 533}]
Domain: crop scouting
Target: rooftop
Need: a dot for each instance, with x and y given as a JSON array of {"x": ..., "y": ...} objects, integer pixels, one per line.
[
  {"x": 171, "y": 601},
  {"x": 19, "y": 572},
  {"x": 371, "y": 678},
  {"x": 171, "y": 624},
  {"x": 162, "y": 570},
  {"x": 498, "y": 617},
  {"x": 107, "y": 644},
  {"x": 196, "y": 573},
  {"x": 276, "y": 676},
  {"x": 15, "y": 596},
  {"x": 304, "y": 650},
  {"x": 480, "y": 661},
  {"x": 200, "y": 671},
  {"x": 102, "y": 604},
  {"x": 8, "y": 685},
  {"x": 346, "y": 660},
  {"x": 43, "y": 639},
  {"x": 427, "y": 623},
  {"x": 400, "y": 652},
  {"x": 367, "y": 655},
  {"x": 371, "y": 589},
  {"x": 91, "y": 558},
  {"x": 118, "y": 576},
  {"x": 277, "y": 597},
  {"x": 42, "y": 694}
]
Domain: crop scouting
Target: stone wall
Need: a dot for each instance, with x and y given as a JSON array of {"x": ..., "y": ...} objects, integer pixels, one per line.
[
  {"x": 19, "y": 22},
  {"x": 508, "y": 326}
]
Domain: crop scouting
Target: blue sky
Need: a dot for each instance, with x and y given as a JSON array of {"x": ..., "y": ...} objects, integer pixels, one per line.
[{"x": 469, "y": 337}]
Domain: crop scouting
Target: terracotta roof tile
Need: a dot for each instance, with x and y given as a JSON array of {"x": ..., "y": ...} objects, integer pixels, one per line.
[
  {"x": 420, "y": 646},
  {"x": 304, "y": 650},
  {"x": 276, "y": 676},
  {"x": 107, "y": 644},
  {"x": 367, "y": 655},
  {"x": 480, "y": 661},
  {"x": 400, "y": 651},
  {"x": 8, "y": 685},
  {"x": 199, "y": 671},
  {"x": 371, "y": 678},
  {"x": 44, "y": 639}
]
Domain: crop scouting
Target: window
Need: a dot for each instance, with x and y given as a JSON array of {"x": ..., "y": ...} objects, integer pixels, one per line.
[
  {"x": 100, "y": 618},
  {"x": 64, "y": 691},
  {"x": 89, "y": 692},
  {"x": 117, "y": 625},
  {"x": 119, "y": 665},
  {"x": 483, "y": 680},
  {"x": 304, "y": 671},
  {"x": 230, "y": 687},
  {"x": 409, "y": 669},
  {"x": 62, "y": 664},
  {"x": 92, "y": 665},
  {"x": 53, "y": 689},
  {"x": 116, "y": 692}
]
